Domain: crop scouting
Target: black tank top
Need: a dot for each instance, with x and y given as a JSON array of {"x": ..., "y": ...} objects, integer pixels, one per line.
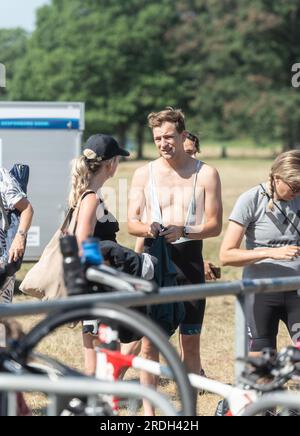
[{"x": 107, "y": 228}]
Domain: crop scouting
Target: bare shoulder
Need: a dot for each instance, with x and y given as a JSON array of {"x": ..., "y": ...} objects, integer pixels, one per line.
[
  {"x": 142, "y": 171},
  {"x": 209, "y": 173},
  {"x": 90, "y": 201},
  {"x": 141, "y": 176}
]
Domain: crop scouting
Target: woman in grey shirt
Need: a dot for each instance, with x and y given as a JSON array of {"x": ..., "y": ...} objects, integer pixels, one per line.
[{"x": 269, "y": 217}]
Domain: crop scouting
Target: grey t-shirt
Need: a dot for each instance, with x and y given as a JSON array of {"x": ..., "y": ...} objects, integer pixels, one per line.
[{"x": 267, "y": 228}]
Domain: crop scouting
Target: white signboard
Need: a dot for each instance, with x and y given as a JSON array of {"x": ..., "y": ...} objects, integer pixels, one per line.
[{"x": 34, "y": 237}]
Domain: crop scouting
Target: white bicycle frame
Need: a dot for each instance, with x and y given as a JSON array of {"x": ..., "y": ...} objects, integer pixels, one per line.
[
  {"x": 238, "y": 399},
  {"x": 241, "y": 402}
]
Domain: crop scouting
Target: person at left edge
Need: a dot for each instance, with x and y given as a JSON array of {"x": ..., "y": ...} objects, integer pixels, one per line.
[{"x": 13, "y": 238}]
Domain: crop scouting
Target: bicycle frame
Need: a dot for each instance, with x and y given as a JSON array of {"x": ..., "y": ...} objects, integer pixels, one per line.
[
  {"x": 242, "y": 402},
  {"x": 270, "y": 401},
  {"x": 238, "y": 399}
]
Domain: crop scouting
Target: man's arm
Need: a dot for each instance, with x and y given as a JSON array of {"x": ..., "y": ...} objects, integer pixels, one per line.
[
  {"x": 136, "y": 206},
  {"x": 213, "y": 208},
  {"x": 18, "y": 245}
]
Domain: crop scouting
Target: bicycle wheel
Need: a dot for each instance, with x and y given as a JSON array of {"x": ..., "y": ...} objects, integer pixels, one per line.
[{"x": 127, "y": 318}]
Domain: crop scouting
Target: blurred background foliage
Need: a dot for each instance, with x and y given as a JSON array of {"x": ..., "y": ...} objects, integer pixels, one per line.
[{"x": 226, "y": 63}]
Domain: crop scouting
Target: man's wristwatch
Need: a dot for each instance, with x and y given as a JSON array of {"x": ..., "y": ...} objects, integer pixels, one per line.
[{"x": 185, "y": 233}]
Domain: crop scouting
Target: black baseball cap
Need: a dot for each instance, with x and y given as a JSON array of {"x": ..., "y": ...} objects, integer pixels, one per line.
[{"x": 103, "y": 147}]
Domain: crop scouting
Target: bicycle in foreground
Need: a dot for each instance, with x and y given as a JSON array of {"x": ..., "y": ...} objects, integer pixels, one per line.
[
  {"x": 20, "y": 359},
  {"x": 261, "y": 387}
]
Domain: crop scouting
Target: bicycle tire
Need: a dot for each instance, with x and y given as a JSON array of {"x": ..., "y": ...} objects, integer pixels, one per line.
[{"x": 129, "y": 319}]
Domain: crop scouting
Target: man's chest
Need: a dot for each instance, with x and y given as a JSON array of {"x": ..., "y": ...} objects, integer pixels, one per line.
[{"x": 174, "y": 196}]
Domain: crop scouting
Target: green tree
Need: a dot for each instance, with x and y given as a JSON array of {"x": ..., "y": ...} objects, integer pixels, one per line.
[
  {"x": 237, "y": 56},
  {"x": 13, "y": 45},
  {"x": 226, "y": 63},
  {"x": 112, "y": 54}
]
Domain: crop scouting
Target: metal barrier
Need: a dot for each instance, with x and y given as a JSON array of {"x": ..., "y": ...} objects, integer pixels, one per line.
[
  {"x": 239, "y": 289},
  {"x": 74, "y": 386}
]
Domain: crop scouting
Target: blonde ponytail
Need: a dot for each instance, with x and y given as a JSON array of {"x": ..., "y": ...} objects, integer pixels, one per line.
[
  {"x": 271, "y": 191},
  {"x": 82, "y": 172}
]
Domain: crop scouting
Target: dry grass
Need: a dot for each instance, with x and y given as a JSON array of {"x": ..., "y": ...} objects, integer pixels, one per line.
[{"x": 237, "y": 176}]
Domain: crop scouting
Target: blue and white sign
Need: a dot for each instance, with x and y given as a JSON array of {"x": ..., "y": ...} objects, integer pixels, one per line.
[
  {"x": 27, "y": 123},
  {"x": 41, "y": 116},
  {"x": 47, "y": 136}
]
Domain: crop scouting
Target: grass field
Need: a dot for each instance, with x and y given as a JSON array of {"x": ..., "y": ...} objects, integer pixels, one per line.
[{"x": 238, "y": 175}]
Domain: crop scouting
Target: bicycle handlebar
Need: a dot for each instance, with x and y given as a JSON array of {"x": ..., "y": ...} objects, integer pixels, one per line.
[
  {"x": 119, "y": 281},
  {"x": 277, "y": 367}
]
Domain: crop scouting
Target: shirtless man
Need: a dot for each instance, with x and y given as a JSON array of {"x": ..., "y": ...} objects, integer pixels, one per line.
[
  {"x": 183, "y": 195},
  {"x": 192, "y": 147}
]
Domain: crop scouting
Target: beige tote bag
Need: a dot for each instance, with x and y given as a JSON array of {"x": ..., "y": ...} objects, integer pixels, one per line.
[{"x": 45, "y": 280}]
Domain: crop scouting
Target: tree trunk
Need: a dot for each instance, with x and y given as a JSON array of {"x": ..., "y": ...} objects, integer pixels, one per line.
[
  {"x": 122, "y": 130},
  {"x": 140, "y": 136},
  {"x": 292, "y": 138}
]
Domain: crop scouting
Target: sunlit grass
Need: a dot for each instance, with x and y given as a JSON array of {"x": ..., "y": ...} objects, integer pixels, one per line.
[{"x": 237, "y": 176}]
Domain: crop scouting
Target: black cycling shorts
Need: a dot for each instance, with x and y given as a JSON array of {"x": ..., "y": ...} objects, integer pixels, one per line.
[{"x": 265, "y": 311}]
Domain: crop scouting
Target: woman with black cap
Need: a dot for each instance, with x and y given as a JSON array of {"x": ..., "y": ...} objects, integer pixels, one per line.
[{"x": 99, "y": 163}]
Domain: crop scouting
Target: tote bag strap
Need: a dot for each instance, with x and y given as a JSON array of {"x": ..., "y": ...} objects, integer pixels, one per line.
[
  {"x": 66, "y": 222},
  {"x": 75, "y": 213}
]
